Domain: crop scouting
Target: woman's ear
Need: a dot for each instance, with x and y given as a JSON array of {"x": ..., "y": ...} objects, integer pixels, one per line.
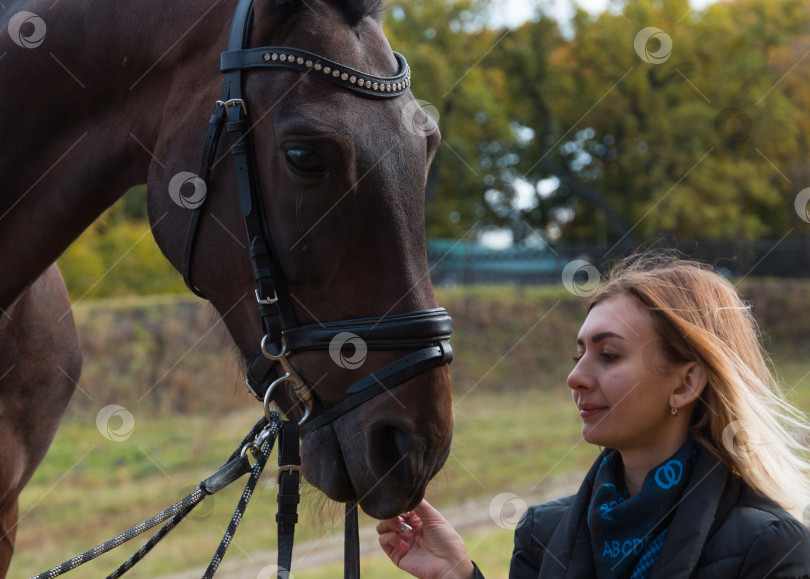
[{"x": 692, "y": 384}]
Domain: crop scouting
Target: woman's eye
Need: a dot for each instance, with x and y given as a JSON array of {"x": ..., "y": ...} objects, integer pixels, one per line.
[
  {"x": 609, "y": 357},
  {"x": 576, "y": 359},
  {"x": 305, "y": 160}
]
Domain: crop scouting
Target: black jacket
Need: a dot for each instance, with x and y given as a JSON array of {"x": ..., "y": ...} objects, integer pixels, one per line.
[{"x": 722, "y": 529}]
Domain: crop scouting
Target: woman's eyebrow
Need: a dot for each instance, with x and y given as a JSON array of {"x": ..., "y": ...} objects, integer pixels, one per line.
[{"x": 599, "y": 337}]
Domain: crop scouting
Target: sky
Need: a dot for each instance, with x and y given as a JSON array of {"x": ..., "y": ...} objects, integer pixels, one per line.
[{"x": 514, "y": 12}]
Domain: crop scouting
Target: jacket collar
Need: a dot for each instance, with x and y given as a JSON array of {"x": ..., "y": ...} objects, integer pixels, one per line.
[
  {"x": 688, "y": 531},
  {"x": 698, "y": 509},
  {"x": 571, "y": 544}
]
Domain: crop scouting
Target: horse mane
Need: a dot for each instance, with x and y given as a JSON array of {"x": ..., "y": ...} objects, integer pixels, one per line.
[{"x": 353, "y": 10}]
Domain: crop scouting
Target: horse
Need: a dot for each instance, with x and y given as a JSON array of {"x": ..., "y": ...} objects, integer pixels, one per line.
[
  {"x": 101, "y": 97},
  {"x": 40, "y": 362}
]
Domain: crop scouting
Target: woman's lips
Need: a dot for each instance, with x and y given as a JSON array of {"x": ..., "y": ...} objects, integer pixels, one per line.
[{"x": 587, "y": 410}]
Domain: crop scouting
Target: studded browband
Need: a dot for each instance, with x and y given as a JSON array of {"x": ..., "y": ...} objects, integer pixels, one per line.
[{"x": 303, "y": 61}]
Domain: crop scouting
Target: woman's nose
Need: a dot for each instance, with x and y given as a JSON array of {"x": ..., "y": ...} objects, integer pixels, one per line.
[{"x": 579, "y": 378}]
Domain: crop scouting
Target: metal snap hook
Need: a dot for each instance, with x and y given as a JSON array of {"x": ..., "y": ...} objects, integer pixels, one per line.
[
  {"x": 254, "y": 449},
  {"x": 269, "y": 393},
  {"x": 297, "y": 385},
  {"x": 270, "y": 355},
  {"x": 307, "y": 412}
]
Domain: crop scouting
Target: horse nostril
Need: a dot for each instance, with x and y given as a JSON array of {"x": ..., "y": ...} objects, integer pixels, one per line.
[{"x": 394, "y": 451}]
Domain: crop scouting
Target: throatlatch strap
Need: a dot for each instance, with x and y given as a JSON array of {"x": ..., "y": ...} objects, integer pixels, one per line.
[{"x": 209, "y": 150}]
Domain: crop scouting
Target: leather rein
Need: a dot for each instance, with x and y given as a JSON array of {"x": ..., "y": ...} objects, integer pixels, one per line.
[{"x": 426, "y": 333}]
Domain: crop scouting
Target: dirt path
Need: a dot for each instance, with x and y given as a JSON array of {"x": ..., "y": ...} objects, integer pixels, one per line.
[{"x": 468, "y": 517}]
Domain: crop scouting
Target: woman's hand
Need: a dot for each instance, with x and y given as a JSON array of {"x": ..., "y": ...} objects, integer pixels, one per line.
[{"x": 432, "y": 549}]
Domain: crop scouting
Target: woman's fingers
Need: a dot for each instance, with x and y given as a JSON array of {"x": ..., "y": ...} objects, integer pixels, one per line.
[
  {"x": 395, "y": 536},
  {"x": 425, "y": 512},
  {"x": 391, "y": 541},
  {"x": 412, "y": 520},
  {"x": 386, "y": 525},
  {"x": 396, "y": 524}
]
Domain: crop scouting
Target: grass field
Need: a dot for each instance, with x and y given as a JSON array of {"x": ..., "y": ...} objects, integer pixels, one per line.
[
  {"x": 90, "y": 488},
  {"x": 516, "y": 432}
]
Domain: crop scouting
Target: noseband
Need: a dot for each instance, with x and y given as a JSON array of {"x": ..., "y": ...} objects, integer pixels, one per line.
[{"x": 426, "y": 332}]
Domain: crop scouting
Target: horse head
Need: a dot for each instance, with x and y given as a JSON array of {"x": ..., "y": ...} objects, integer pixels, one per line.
[{"x": 340, "y": 179}]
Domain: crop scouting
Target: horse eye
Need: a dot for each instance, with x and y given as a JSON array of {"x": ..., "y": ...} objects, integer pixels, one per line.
[{"x": 305, "y": 160}]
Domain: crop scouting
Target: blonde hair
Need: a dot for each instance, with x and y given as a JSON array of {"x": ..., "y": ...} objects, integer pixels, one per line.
[{"x": 742, "y": 417}]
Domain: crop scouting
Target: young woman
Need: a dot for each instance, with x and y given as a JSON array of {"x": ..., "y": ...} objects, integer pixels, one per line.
[{"x": 704, "y": 472}]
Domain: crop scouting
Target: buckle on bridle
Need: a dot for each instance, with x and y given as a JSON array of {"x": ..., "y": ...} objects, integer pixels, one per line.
[
  {"x": 233, "y": 103},
  {"x": 288, "y": 468},
  {"x": 266, "y": 301}
]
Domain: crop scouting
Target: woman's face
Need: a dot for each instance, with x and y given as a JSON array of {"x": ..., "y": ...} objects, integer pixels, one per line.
[{"x": 621, "y": 383}]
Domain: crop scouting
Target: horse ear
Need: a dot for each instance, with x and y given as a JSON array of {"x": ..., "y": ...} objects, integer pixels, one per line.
[
  {"x": 268, "y": 15},
  {"x": 355, "y": 10}
]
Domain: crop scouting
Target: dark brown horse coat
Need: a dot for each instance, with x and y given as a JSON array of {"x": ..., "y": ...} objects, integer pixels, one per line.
[
  {"x": 40, "y": 362},
  {"x": 103, "y": 96}
]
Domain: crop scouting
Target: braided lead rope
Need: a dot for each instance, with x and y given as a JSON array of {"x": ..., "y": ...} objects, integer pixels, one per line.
[
  {"x": 168, "y": 527},
  {"x": 185, "y": 504},
  {"x": 258, "y": 467},
  {"x": 143, "y": 551},
  {"x": 181, "y": 508}
]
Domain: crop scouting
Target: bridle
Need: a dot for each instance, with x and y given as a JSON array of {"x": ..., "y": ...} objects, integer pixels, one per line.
[{"x": 427, "y": 332}]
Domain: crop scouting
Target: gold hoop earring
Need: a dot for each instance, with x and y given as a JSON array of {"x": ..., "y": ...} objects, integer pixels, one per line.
[{"x": 674, "y": 410}]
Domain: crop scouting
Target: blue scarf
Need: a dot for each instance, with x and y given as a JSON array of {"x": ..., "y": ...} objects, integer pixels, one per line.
[{"x": 627, "y": 533}]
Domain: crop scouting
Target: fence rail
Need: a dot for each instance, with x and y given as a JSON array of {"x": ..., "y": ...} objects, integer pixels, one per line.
[{"x": 454, "y": 262}]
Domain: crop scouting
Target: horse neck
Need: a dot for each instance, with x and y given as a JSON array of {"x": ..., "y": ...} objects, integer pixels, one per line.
[{"x": 86, "y": 111}]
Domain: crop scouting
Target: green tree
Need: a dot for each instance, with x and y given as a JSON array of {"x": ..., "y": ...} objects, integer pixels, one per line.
[
  {"x": 700, "y": 138},
  {"x": 447, "y": 45},
  {"x": 117, "y": 255}
]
